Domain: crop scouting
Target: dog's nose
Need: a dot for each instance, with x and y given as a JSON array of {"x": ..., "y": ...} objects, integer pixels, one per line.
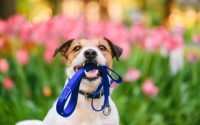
[{"x": 90, "y": 54}]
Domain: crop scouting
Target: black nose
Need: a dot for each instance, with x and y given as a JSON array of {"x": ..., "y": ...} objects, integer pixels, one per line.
[{"x": 90, "y": 54}]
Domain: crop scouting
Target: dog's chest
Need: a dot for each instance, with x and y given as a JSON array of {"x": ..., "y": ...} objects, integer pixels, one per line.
[{"x": 84, "y": 115}]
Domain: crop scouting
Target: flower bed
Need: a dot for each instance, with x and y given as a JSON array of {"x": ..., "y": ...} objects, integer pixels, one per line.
[{"x": 160, "y": 70}]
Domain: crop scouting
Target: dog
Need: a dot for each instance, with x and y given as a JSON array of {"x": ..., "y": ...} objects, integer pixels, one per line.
[{"x": 79, "y": 53}]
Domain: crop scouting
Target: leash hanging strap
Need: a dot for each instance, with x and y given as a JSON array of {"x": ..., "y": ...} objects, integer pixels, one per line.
[
  {"x": 105, "y": 84},
  {"x": 70, "y": 91}
]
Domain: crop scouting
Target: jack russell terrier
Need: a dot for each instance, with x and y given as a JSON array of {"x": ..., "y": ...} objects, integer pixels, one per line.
[{"x": 78, "y": 53}]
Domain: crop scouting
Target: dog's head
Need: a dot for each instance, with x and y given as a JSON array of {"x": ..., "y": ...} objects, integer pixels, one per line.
[{"x": 81, "y": 52}]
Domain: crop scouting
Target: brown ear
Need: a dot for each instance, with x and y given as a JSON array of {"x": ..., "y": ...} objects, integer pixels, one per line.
[
  {"x": 116, "y": 50},
  {"x": 63, "y": 48}
]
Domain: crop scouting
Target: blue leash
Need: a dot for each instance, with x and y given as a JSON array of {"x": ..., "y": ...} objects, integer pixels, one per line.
[{"x": 70, "y": 92}]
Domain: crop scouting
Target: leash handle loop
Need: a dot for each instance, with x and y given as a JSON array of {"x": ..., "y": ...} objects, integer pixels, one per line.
[
  {"x": 70, "y": 90},
  {"x": 118, "y": 80}
]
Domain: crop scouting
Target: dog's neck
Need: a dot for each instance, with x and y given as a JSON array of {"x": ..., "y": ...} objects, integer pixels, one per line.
[
  {"x": 89, "y": 87},
  {"x": 87, "y": 102}
]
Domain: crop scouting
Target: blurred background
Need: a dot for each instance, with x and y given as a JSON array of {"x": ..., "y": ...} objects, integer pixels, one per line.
[{"x": 160, "y": 65}]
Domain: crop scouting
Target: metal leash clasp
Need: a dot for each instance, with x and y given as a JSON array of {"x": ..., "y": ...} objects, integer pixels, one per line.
[{"x": 107, "y": 109}]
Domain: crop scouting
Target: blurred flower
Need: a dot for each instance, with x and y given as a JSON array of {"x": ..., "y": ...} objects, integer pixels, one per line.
[
  {"x": 22, "y": 56},
  {"x": 132, "y": 75},
  {"x": 126, "y": 49},
  {"x": 1, "y": 43},
  {"x": 95, "y": 29},
  {"x": 116, "y": 32},
  {"x": 4, "y": 65},
  {"x": 40, "y": 32},
  {"x": 149, "y": 88},
  {"x": 2, "y": 26},
  {"x": 192, "y": 57},
  {"x": 172, "y": 43},
  {"x": 151, "y": 42},
  {"x": 74, "y": 29},
  {"x": 48, "y": 56},
  {"x": 14, "y": 24},
  {"x": 137, "y": 33},
  {"x": 8, "y": 83},
  {"x": 51, "y": 44},
  {"x": 47, "y": 91},
  {"x": 55, "y": 28},
  {"x": 25, "y": 32},
  {"x": 196, "y": 38}
]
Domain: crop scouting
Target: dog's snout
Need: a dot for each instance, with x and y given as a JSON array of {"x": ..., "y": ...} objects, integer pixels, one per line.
[{"x": 90, "y": 54}]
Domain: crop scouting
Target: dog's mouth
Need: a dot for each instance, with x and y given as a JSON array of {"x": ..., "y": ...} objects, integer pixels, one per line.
[{"x": 91, "y": 74}]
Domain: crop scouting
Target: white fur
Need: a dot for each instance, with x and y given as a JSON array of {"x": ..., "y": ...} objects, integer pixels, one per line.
[{"x": 83, "y": 114}]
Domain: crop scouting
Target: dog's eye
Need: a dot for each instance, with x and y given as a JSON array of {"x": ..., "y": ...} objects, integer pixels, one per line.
[
  {"x": 102, "y": 47},
  {"x": 77, "y": 48}
]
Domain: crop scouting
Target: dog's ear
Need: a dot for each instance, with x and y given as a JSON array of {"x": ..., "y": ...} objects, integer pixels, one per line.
[
  {"x": 116, "y": 50},
  {"x": 63, "y": 48}
]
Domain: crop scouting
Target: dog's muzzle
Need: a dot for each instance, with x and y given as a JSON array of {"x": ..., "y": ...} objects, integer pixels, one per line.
[{"x": 90, "y": 60}]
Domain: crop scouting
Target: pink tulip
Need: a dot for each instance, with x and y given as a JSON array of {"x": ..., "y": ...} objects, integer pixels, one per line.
[
  {"x": 22, "y": 56},
  {"x": 74, "y": 29},
  {"x": 48, "y": 56},
  {"x": 192, "y": 57},
  {"x": 55, "y": 28},
  {"x": 196, "y": 38},
  {"x": 126, "y": 49},
  {"x": 51, "y": 44},
  {"x": 151, "y": 43},
  {"x": 62, "y": 27},
  {"x": 2, "y": 27},
  {"x": 95, "y": 29},
  {"x": 1, "y": 43},
  {"x": 8, "y": 83},
  {"x": 25, "y": 32},
  {"x": 154, "y": 39},
  {"x": 137, "y": 33},
  {"x": 4, "y": 65},
  {"x": 116, "y": 32},
  {"x": 149, "y": 88},
  {"x": 173, "y": 42},
  {"x": 40, "y": 32},
  {"x": 132, "y": 75},
  {"x": 14, "y": 24}
]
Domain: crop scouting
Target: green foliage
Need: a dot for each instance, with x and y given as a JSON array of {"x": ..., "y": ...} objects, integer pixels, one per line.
[{"x": 177, "y": 102}]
